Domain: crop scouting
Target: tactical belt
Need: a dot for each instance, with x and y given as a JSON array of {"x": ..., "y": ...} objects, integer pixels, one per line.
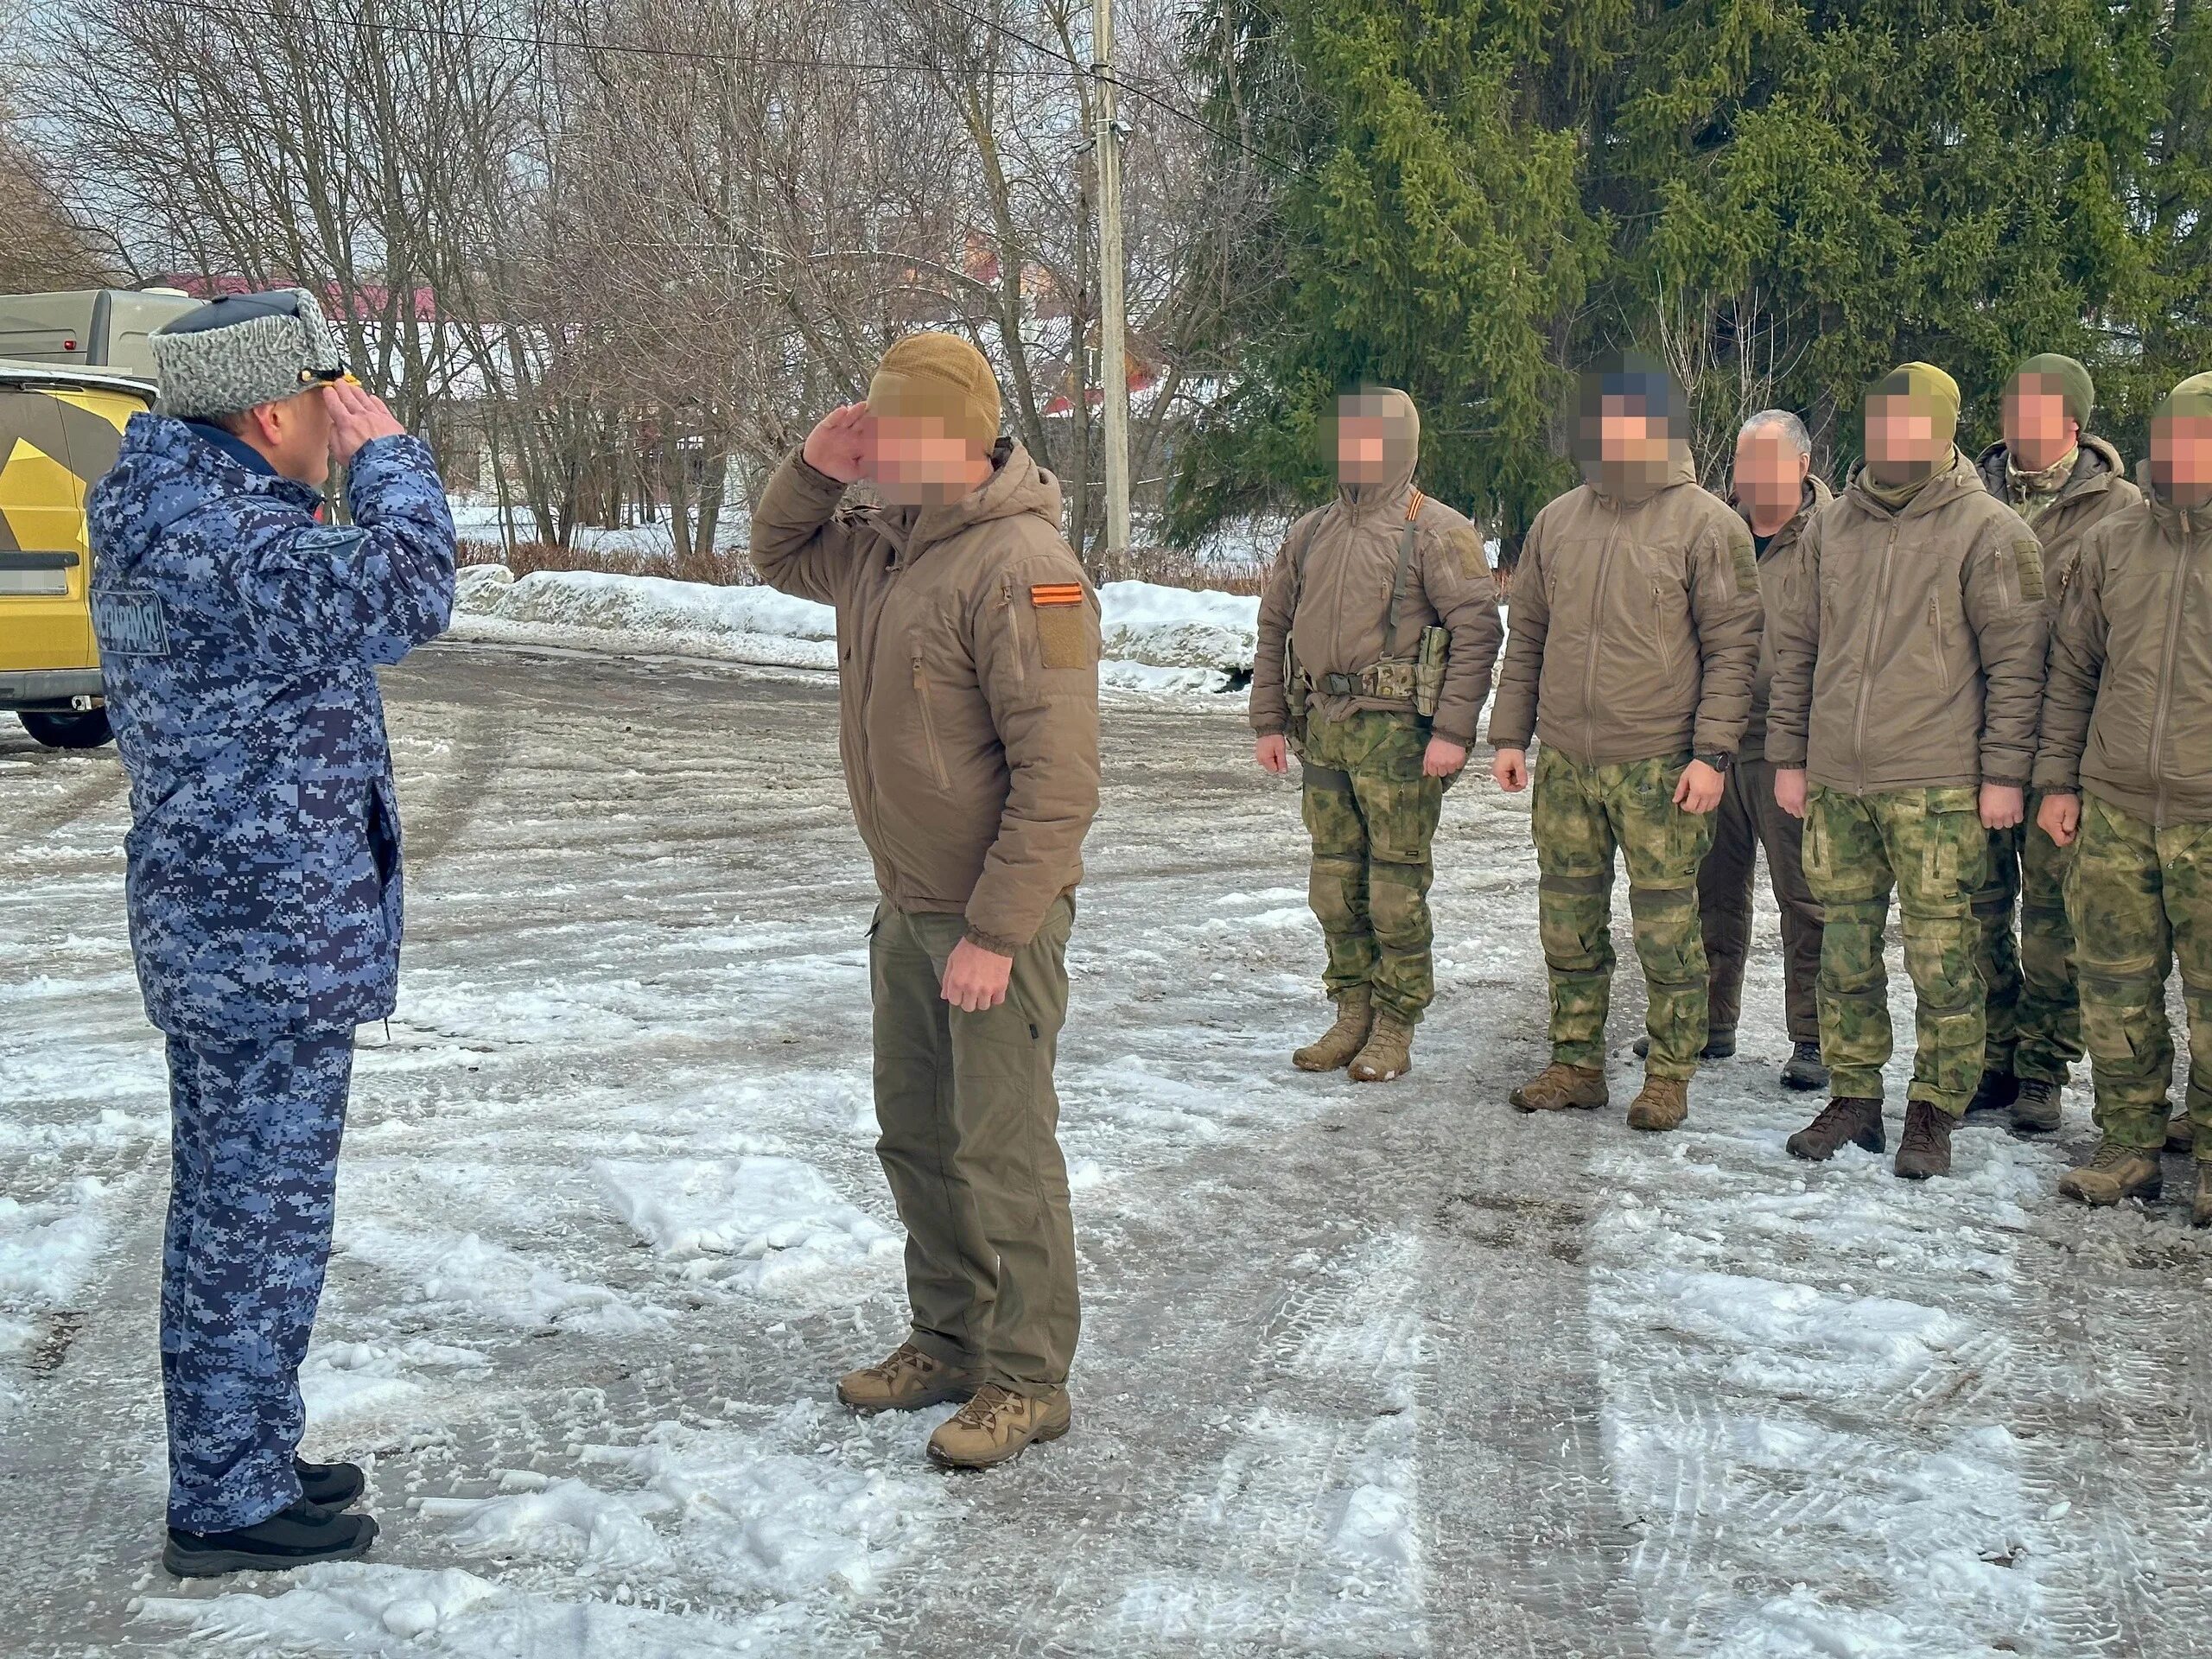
[{"x": 1384, "y": 682}]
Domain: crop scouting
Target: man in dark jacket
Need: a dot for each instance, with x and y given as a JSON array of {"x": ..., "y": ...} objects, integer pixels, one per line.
[{"x": 239, "y": 635}]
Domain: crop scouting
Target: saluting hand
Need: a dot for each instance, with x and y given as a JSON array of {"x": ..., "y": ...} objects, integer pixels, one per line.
[
  {"x": 838, "y": 448},
  {"x": 357, "y": 415}
]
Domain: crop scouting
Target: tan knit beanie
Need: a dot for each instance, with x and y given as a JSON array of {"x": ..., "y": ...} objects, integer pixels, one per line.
[{"x": 941, "y": 375}]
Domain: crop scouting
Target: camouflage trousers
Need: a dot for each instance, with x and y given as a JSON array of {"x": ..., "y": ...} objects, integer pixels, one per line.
[
  {"x": 1579, "y": 815},
  {"x": 254, "y": 1133},
  {"x": 2034, "y": 1016},
  {"x": 2139, "y": 896},
  {"x": 1930, "y": 846},
  {"x": 1372, "y": 815}
]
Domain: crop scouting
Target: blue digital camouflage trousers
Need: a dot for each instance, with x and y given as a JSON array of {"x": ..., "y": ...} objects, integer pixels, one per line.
[{"x": 254, "y": 1133}]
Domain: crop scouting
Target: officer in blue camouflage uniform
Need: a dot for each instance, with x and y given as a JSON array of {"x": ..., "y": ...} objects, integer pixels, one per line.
[{"x": 238, "y": 637}]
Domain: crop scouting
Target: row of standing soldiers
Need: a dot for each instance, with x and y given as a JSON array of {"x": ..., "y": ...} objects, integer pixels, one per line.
[{"x": 1983, "y": 684}]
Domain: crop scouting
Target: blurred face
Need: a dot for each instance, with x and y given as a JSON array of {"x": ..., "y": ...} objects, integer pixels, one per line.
[
  {"x": 2181, "y": 460},
  {"x": 2037, "y": 429},
  {"x": 1628, "y": 436},
  {"x": 1900, "y": 435},
  {"x": 1769, "y": 475},
  {"x": 293, "y": 435},
  {"x": 1362, "y": 448},
  {"x": 916, "y": 463}
]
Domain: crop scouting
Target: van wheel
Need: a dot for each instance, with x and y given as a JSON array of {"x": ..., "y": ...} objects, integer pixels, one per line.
[{"x": 73, "y": 731}]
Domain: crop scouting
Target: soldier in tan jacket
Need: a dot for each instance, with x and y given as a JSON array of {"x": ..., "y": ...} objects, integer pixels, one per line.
[
  {"x": 1635, "y": 642},
  {"x": 1908, "y": 676},
  {"x": 1377, "y": 631},
  {"x": 2124, "y": 770},
  {"x": 2063, "y": 483},
  {"x": 967, "y": 685}
]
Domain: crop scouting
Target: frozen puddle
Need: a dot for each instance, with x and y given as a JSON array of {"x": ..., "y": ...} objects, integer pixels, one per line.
[{"x": 771, "y": 1225}]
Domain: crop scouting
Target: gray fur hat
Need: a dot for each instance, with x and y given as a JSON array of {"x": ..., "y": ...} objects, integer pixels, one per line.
[{"x": 244, "y": 349}]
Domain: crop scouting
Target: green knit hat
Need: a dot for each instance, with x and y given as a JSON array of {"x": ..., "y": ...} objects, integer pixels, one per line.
[
  {"x": 2190, "y": 400},
  {"x": 1927, "y": 384},
  {"x": 2069, "y": 377}
]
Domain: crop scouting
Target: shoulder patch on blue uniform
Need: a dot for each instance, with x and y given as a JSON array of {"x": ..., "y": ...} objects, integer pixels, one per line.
[
  {"x": 130, "y": 622},
  {"x": 330, "y": 538}
]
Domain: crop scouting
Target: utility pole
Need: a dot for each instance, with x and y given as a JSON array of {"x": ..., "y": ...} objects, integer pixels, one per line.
[{"x": 1113, "y": 321}]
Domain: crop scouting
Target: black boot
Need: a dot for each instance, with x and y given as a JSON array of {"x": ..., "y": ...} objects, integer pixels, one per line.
[
  {"x": 1803, "y": 1070},
  {"x": 306, "y": 1532},
  {"x": 1996, "y": 1093},
  {"x": 333, "y": 1485}
]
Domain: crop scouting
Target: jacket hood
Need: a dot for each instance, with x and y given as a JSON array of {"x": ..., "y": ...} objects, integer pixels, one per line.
[
  {"x": 2097, "y": 465},
  {"x": 1943, "y": 487},
  {"x": 163, "y": 471},
  {"x": 1401, "y": 451},
  {"x": 1619, "y": 489}
]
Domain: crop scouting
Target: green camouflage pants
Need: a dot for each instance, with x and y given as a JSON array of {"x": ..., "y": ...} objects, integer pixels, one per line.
[
  {"x": 2034, "y": 1016},
  {"x": 1930, "y": 846},
  {"x": 2139, "y": 897},
  {"x": 1580, "y": 814},
  {"x": 1372, "y": 815}
]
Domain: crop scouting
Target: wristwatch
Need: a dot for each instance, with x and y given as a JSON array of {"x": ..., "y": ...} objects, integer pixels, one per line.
[{"x": 1720, "y": 763}]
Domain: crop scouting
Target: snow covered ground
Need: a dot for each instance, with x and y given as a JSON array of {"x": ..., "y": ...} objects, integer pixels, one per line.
[
  {"x": 1156, "y": 639},
  {"x": 1366, "y": 1371}
]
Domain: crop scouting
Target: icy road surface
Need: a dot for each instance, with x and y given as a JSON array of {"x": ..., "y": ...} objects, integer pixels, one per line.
[{"x": 1385, "y": 1371}]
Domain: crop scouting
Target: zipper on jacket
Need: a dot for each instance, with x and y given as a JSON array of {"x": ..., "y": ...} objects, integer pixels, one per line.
[
  {"x": 1590, "y": 649},
  {"x": 929, "y": 726},
  {"x": 1866, "y": 660},
  {"x": 1666, "y": 633},
  {"x": 2164, "y": 701},
  {"x": 1013, "y": 627},
  {"x": 1936, "y": 636}
]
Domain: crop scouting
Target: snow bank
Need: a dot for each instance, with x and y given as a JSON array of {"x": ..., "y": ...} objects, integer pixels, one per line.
[{"x": 1156, "y": 639}]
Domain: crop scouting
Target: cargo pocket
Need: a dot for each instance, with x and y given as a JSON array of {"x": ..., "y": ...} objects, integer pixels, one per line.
[{"x": 930, "y": 746}]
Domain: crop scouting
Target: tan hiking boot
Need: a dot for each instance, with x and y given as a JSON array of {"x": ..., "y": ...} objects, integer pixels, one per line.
[
  {"x": 2181, "y": 1133},
  {"x": 906, "y": 1379},
  {"x": 1924, "y": 1148},
  {"x": 996, "y": 1426},
  {"x": 1389, "y": 1051},
  {"x": 1560, "y": 1087},
  {"x": 1333, "y": 1050},
  {"x": 2199, "y": 1212},
  {"x": 2116, "y": 1173},
  {"x": 1661, "y": 1103},
  {"x": 1846, "y": 1121}
]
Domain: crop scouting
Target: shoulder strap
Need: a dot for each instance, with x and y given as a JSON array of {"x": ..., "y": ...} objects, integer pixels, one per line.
[{"x": 1405, "y": 563}]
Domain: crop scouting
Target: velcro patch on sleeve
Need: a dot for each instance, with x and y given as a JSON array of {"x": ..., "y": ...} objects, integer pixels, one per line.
[
  {"x": 2027, "y": 558},
  {"x": 1745, "y": 556},
  {"x": 1466, "y": 547}
]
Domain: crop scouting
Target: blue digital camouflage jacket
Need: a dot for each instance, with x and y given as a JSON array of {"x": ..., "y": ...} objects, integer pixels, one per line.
[{"x": 239, "y": 639}]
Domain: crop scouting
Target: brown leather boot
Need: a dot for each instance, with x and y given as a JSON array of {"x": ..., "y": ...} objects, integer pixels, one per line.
[
  {"x": 906, "y": 1379},
  {"x": 1924, "y": 1148},
  {"x": 997, "y": 1425},
  {"x": 1560, "y": 1087},
  {"x": 2115, "y": 1173},
  {"x": 1661, "y": 1103},
  {"x": 1846, "y": 1121},
  {"x": 1333, "y": 1050},
  {"x": 2199, "y": 1212},
  {"x": 1388, "y": 1053}
]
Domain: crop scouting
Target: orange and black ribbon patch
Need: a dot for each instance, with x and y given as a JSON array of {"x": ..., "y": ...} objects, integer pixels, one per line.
[
  {"x": 1063, "y": 636},
  {"x": 1056, "y": 593}
]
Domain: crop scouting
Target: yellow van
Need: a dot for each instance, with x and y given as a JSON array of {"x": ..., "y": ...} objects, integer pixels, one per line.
[{"x": 60, "y": 429}]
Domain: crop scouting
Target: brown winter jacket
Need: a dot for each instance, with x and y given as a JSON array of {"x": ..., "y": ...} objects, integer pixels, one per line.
[
  {"x": 1909, "y": 653},
  {"x": 968, "y": 686},
  {"x": 1343, "y": 603},
  {"x": 1636, "y": 626},
  {"x": 2097, "y": 488},
  {"x": 1774, "y": 564},
  {"x": 2127, "y": 715}
]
